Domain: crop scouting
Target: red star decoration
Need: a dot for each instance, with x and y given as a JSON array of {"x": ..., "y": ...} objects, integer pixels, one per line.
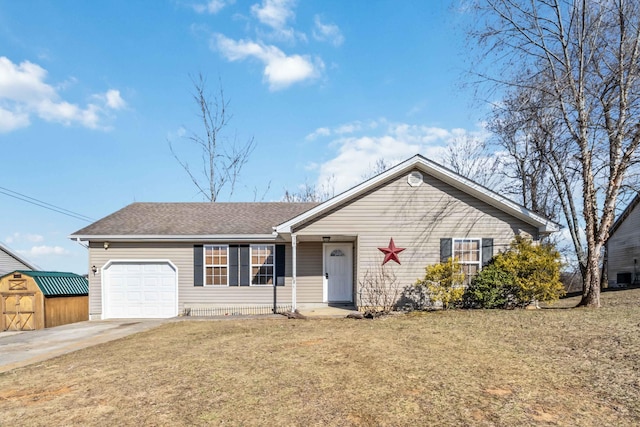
[{"x": 391, "y": 253}]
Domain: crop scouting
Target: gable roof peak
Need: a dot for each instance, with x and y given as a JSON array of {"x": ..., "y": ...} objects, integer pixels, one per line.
[{"x": 439, "y": 172}]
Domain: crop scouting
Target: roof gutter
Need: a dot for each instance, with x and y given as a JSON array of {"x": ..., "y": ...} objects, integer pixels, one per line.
[{"x": 175, "y": 238}]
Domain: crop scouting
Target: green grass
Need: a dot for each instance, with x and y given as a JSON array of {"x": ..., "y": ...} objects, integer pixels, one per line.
[{"x": 573, "y": 367}]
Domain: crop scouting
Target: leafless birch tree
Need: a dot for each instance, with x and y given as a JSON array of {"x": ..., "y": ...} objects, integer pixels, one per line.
[
  {"x": 582, "y": 59},
  {"x": 311, "y": 192},
  {"x": 470, "y": 157},
  {"x": 222, "y": 157}
]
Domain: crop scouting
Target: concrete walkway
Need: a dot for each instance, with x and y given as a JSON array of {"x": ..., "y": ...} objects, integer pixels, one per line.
[
  {"x": 329, "y": 312},
  {"x": 18, "y": 349}
]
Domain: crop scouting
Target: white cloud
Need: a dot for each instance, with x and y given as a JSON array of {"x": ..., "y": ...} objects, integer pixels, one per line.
[
  {"x": 317, "y": 133},
  {"x": 12, "y": 120},
  {"x": 19, "y": 237},
  {"x": 44, "y": 250},
  {"x": 345, "y": 128},
  {"x": 311, "y": 166},
  {"x": 280, "y": 70},
  {"x": 327, "y": 32},
  {"x": 356, "y": 155},
  {"x": 276, "y": 16},
  {"x": 23, "y": 92},
  {"x": 114, "y": 100},
  {"x": 274, "y": 13},
  {"x": 212, "y": 6},
  {"x": 348, "y": 128}
]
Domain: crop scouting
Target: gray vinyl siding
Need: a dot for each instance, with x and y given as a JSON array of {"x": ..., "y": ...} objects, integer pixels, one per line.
[
  {"x": 181, "y": 255},
  {"x": 9, "y": 264},
  {"x": 309, "y": 272},
  {"x": 623, "y": 248},
  {"x": 416, "y": 218}
]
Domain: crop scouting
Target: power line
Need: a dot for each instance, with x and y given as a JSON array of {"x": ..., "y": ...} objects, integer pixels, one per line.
[{"x": 45, "y": 205}]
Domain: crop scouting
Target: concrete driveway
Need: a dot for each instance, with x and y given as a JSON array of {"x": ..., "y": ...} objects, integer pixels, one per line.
[{"x": 19, "y": 349}]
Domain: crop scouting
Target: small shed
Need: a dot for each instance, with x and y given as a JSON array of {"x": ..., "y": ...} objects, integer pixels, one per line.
[{"x": 32, "y": 300}]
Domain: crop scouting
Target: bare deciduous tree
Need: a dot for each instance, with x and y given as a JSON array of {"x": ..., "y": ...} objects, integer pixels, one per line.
[
  {"x": 527, "y": 134},
  {"x": 311, "y": 192},
  {"x": 222, "y": 156},
  {"x": 582, "y": 59},
  {"x": 470, "y": 157},
  {"x": 378, "y": 167},
  {"x": 378, "y": 291}
]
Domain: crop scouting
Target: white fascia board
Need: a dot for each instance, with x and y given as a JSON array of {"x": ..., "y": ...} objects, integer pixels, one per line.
[
  {"x": 174, "y": 238},
  {"x": 285, "y": 227},
  {"x": 440, "y": 172}
]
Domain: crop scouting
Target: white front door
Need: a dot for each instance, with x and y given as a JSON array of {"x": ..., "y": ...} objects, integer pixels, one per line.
[{"x": 338, "y": 268}]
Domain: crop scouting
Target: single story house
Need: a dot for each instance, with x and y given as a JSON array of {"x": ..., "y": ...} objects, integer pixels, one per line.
[
  {"x": 623, "y": 247},
  {"x": 162, "y": 259},
  {"x": 10, "y": 261}
]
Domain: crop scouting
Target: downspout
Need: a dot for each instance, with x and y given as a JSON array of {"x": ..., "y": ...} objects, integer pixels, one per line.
[
  {"x": 275, "y": 296},
  {"x": 294, "y": 271},
  {"x": 275, "y": 283},
  {"x": 78, "y": 241}
]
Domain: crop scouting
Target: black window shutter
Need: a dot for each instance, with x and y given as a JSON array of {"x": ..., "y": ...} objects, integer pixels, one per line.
[
  {"x": 233, "y": 265},
  {"x": 245, "y": 266},
  {"x": 280, "y": 263},
  {"x": 445, "y": 250},
  {"x": 198, "y": 268},
  {"x": 487, "y": 250}
]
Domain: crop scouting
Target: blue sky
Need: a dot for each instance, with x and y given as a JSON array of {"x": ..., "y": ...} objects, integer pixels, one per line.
[{"x": 91, "y": 92}]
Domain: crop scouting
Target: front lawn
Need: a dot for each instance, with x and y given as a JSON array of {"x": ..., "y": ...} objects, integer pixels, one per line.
[{"x": 523, "y": 367}]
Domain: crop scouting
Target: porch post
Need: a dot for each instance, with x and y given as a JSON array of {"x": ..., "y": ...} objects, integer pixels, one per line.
[{"x": 294, "y": 271}]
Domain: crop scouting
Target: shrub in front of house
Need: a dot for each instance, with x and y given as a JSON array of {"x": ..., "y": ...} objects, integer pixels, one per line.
[
  {"x": 443, "y": 283},
  {"x": 379, "y": 290},
  {"x": 493, "y": 287},
  {"x": 523, "y": 274}
]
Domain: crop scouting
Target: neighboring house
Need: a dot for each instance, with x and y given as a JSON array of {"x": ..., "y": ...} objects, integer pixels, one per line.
[
  {"x": 10, "y": 261},
  {"x": 623, "y": 247},
  {"x": 162, "y": 259}
]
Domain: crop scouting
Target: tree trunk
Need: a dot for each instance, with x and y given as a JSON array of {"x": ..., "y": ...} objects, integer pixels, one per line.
[{"x": 591, "y": 287}]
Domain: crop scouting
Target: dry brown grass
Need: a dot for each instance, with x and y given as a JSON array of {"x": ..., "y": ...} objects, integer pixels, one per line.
[{"x": 541, "y": 367}]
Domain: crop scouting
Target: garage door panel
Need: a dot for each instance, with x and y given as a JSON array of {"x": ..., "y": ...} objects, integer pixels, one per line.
[{"x": 140, "y": 290}]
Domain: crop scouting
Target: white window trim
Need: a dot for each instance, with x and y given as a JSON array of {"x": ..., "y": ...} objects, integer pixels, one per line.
[
  {"x": 205, "y": 265},
  {"x": 453, "y": 250},
  {"x": 251, "y": 264}
]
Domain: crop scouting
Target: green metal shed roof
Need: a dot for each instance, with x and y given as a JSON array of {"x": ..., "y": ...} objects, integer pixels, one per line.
[{"x": 54, "y": 283}]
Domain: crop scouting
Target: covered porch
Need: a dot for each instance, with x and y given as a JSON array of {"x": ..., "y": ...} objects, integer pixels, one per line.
[{"x": 337, "y": 257}]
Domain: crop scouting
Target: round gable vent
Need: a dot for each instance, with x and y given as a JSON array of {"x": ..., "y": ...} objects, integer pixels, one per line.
[{"x": 414, "y": 179}]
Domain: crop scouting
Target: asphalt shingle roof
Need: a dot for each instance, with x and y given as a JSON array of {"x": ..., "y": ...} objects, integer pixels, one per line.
[{"x": 194, "y": 219}]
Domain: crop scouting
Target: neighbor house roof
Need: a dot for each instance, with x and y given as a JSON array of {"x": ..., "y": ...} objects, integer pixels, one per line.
[
  {"x": 192, "y": 220},
  {"x": 54, "y": 283},
  {"x": 13, "y": 261},
  {"x": 624, "y": 214},
  {"x": 438, "y": 171}
]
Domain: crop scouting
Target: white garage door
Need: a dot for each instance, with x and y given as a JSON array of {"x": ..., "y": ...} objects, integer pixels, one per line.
[{"x": 140, "y": 290}]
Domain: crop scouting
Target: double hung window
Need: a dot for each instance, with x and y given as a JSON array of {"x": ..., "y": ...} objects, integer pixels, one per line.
[
  {"x": 239, "y": 265},
  {"x": 468, "y": 254},
  {"x": 216, "y": 265},
  {"x": 262, "y": 264}
]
